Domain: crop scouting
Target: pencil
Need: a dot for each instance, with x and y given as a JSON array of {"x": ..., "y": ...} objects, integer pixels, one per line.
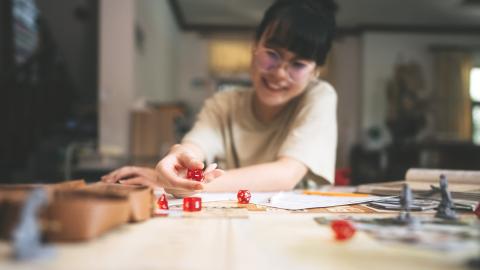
[{"x": 338, "y": 194}]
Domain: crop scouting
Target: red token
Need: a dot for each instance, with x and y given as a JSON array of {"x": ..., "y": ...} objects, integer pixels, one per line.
[
  {"x": 162, "y": 202},
  {"x": 243, "y": 196},
  {"x": 192, "y": 204},
  {"x": 477, "y": 210},
  {"x": 343, "y": 229},
  {"x": 195, "y": 174}
]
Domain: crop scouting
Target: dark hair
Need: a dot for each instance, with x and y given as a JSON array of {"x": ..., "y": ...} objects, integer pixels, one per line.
[{"x": 304, "y": 27}]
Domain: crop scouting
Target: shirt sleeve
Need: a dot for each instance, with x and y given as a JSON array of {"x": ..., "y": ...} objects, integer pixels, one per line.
[
  {"x": 313, "y": 137},
  {"x": 206, "y": 132}
]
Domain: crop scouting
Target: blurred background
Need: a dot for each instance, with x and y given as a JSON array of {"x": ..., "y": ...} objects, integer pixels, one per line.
[{"x": 90, "y": 85}]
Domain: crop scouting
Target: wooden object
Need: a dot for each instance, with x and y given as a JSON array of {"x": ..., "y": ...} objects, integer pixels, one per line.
[{"x": 152, "y": 132}]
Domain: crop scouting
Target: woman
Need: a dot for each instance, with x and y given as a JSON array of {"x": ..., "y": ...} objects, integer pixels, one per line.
[{"x": 270, "y": 137}]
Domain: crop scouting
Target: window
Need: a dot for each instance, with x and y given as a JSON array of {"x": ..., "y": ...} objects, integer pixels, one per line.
[{"x": 475, "y": 97}]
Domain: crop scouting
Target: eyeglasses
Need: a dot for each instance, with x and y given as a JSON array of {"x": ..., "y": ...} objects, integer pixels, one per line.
[{"x": 267, "y": 60}]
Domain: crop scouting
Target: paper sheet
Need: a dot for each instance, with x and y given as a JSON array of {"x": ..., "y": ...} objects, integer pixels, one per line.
[
  {"x": 285, "y": 200},
  {"x": 295, "y": 201}
]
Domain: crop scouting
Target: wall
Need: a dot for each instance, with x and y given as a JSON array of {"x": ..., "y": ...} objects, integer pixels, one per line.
[
  {"x": 194, "y": 84},
  {"x": 116, "y": 80},
  {"x": 138, "y": 61},
  {"x": 476, "y": 58},
  {"x": 344, "y": 74},
  {"x": 156, "y": 57},
  {"x": 380, "y": 52}
]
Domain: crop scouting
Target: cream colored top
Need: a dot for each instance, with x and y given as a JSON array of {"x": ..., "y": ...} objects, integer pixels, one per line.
[{"x": 228, "y": 132}]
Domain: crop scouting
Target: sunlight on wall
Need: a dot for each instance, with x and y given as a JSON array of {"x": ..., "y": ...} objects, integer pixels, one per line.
[
  {"x": 475, "y": 84},
  {"x": 229, "y": 57},
  {"x": 475, "y": 95}
]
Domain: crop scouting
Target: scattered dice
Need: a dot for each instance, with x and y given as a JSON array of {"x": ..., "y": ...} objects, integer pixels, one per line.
[
  {"x": 162, "y": 202},
  {"x": 343, "y": 229},
  {"x": 195, "y": 174},
  {"x": 192, "y": 204},
  {"x": 243, "y": 196}
]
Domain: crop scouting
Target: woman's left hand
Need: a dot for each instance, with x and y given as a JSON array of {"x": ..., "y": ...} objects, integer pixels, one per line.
[{"x": 133, "y": 175}]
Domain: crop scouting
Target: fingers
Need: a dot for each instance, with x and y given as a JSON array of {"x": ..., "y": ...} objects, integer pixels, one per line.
[
  {"x": 122, "y": 173},
  {"x": 108, "y": 178},
  {"x": 172, "y": 180},
  {"x": 138, "y": 181},
  {"x": 210, "y": 168},
  {"x": 210, "y": 176},
  {"x": 188, "y": 161}
]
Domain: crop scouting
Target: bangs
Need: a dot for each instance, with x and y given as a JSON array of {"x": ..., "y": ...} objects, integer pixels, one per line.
[
  {"x": 309, "y": 36},
  {"x": 297, "y": 36}
]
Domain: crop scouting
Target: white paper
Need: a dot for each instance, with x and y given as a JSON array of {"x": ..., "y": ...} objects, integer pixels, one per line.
[
  {"x": 285, "y": 200},
  {"x": 295, "y": 201}
]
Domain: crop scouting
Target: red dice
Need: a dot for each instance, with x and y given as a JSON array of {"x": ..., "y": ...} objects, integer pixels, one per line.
[
  {"x": 243, "y": 196},
  {"x": 477, "y": 211},
  {"x": 192, "y": 204},
  {"x": 162, "y": 202},
  {"x": 343, "y": 229},
  {"x": 195, "y": 174}
]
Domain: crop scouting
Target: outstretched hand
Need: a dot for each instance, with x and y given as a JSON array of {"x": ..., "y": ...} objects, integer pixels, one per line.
[{"x": 169, "y": 173}]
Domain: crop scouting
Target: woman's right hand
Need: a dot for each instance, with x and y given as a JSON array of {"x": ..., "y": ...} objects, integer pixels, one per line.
[
  {"x": 170, "y": 173},
  {"x": 172, "y": 170},
  {"x": 176, "y": 163}
]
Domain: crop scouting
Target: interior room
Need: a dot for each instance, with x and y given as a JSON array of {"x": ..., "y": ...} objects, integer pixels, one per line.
[
  {"x": 93, "y": 85},
  {"x": 240, "y": 134}
]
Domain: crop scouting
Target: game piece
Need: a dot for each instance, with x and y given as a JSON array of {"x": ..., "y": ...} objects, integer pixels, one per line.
[
  {"x": 195, "y": 174},
  {"x": 445, "y": 208},
  {"x": 162, "y": 202},
  {"x": 192, "y": 204},
  {"x": 406, "y": 199},
  {"x": 27, "y": 235},
  {"x": 343, "y": 229},
  {"x": 243, "y": 196}
]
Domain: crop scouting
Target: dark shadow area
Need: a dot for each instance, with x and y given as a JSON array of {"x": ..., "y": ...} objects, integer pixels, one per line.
[{"x": 47, "y": 100}]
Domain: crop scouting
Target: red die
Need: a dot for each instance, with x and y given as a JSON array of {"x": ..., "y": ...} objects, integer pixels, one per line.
[
  {"x": 192, "y": 204},
  {"x": 343, "y": 229},
  {"x": 162, "y": 202},
  {"x": 243, "y": 196},
  {"x": 195, "y": 174},
  {"x": 477, "y": 210}
]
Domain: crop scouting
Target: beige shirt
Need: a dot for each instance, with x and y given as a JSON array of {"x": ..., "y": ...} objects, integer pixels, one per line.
[{"x": 228, "y": 132}]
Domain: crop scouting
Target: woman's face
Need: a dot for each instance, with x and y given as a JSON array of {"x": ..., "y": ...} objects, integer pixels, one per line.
[{"x": 279, "y": 75}]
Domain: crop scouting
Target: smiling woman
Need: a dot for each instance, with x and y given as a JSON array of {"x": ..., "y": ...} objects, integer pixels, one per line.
[{"x": 270, "y": 136}]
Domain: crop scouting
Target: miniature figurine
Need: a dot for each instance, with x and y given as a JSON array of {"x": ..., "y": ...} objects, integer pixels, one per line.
[
  {"x": 27, "y": 235},
  {"x": 445, "y": 208},
  {"x": 406, "y": 200}
]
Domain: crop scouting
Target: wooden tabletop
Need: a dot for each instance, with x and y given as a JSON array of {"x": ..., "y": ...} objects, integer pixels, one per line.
[{"x": 243, "y": 239}]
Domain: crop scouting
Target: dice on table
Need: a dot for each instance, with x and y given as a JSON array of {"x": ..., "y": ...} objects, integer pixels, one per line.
[
  {"x": 243, "y": 196},
  {"x": 162, "y": 202},
  {"x": 192, "y": 204},
  {"x": 343, "y": 229},
  {"x": 195, "y": 174}
]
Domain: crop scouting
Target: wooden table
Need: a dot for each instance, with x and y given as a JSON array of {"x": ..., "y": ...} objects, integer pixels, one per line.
[{"x": 238, "y": 239}]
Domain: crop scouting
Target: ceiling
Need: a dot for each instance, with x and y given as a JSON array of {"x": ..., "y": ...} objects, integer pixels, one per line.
[{"x": 436, "y": 15}]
